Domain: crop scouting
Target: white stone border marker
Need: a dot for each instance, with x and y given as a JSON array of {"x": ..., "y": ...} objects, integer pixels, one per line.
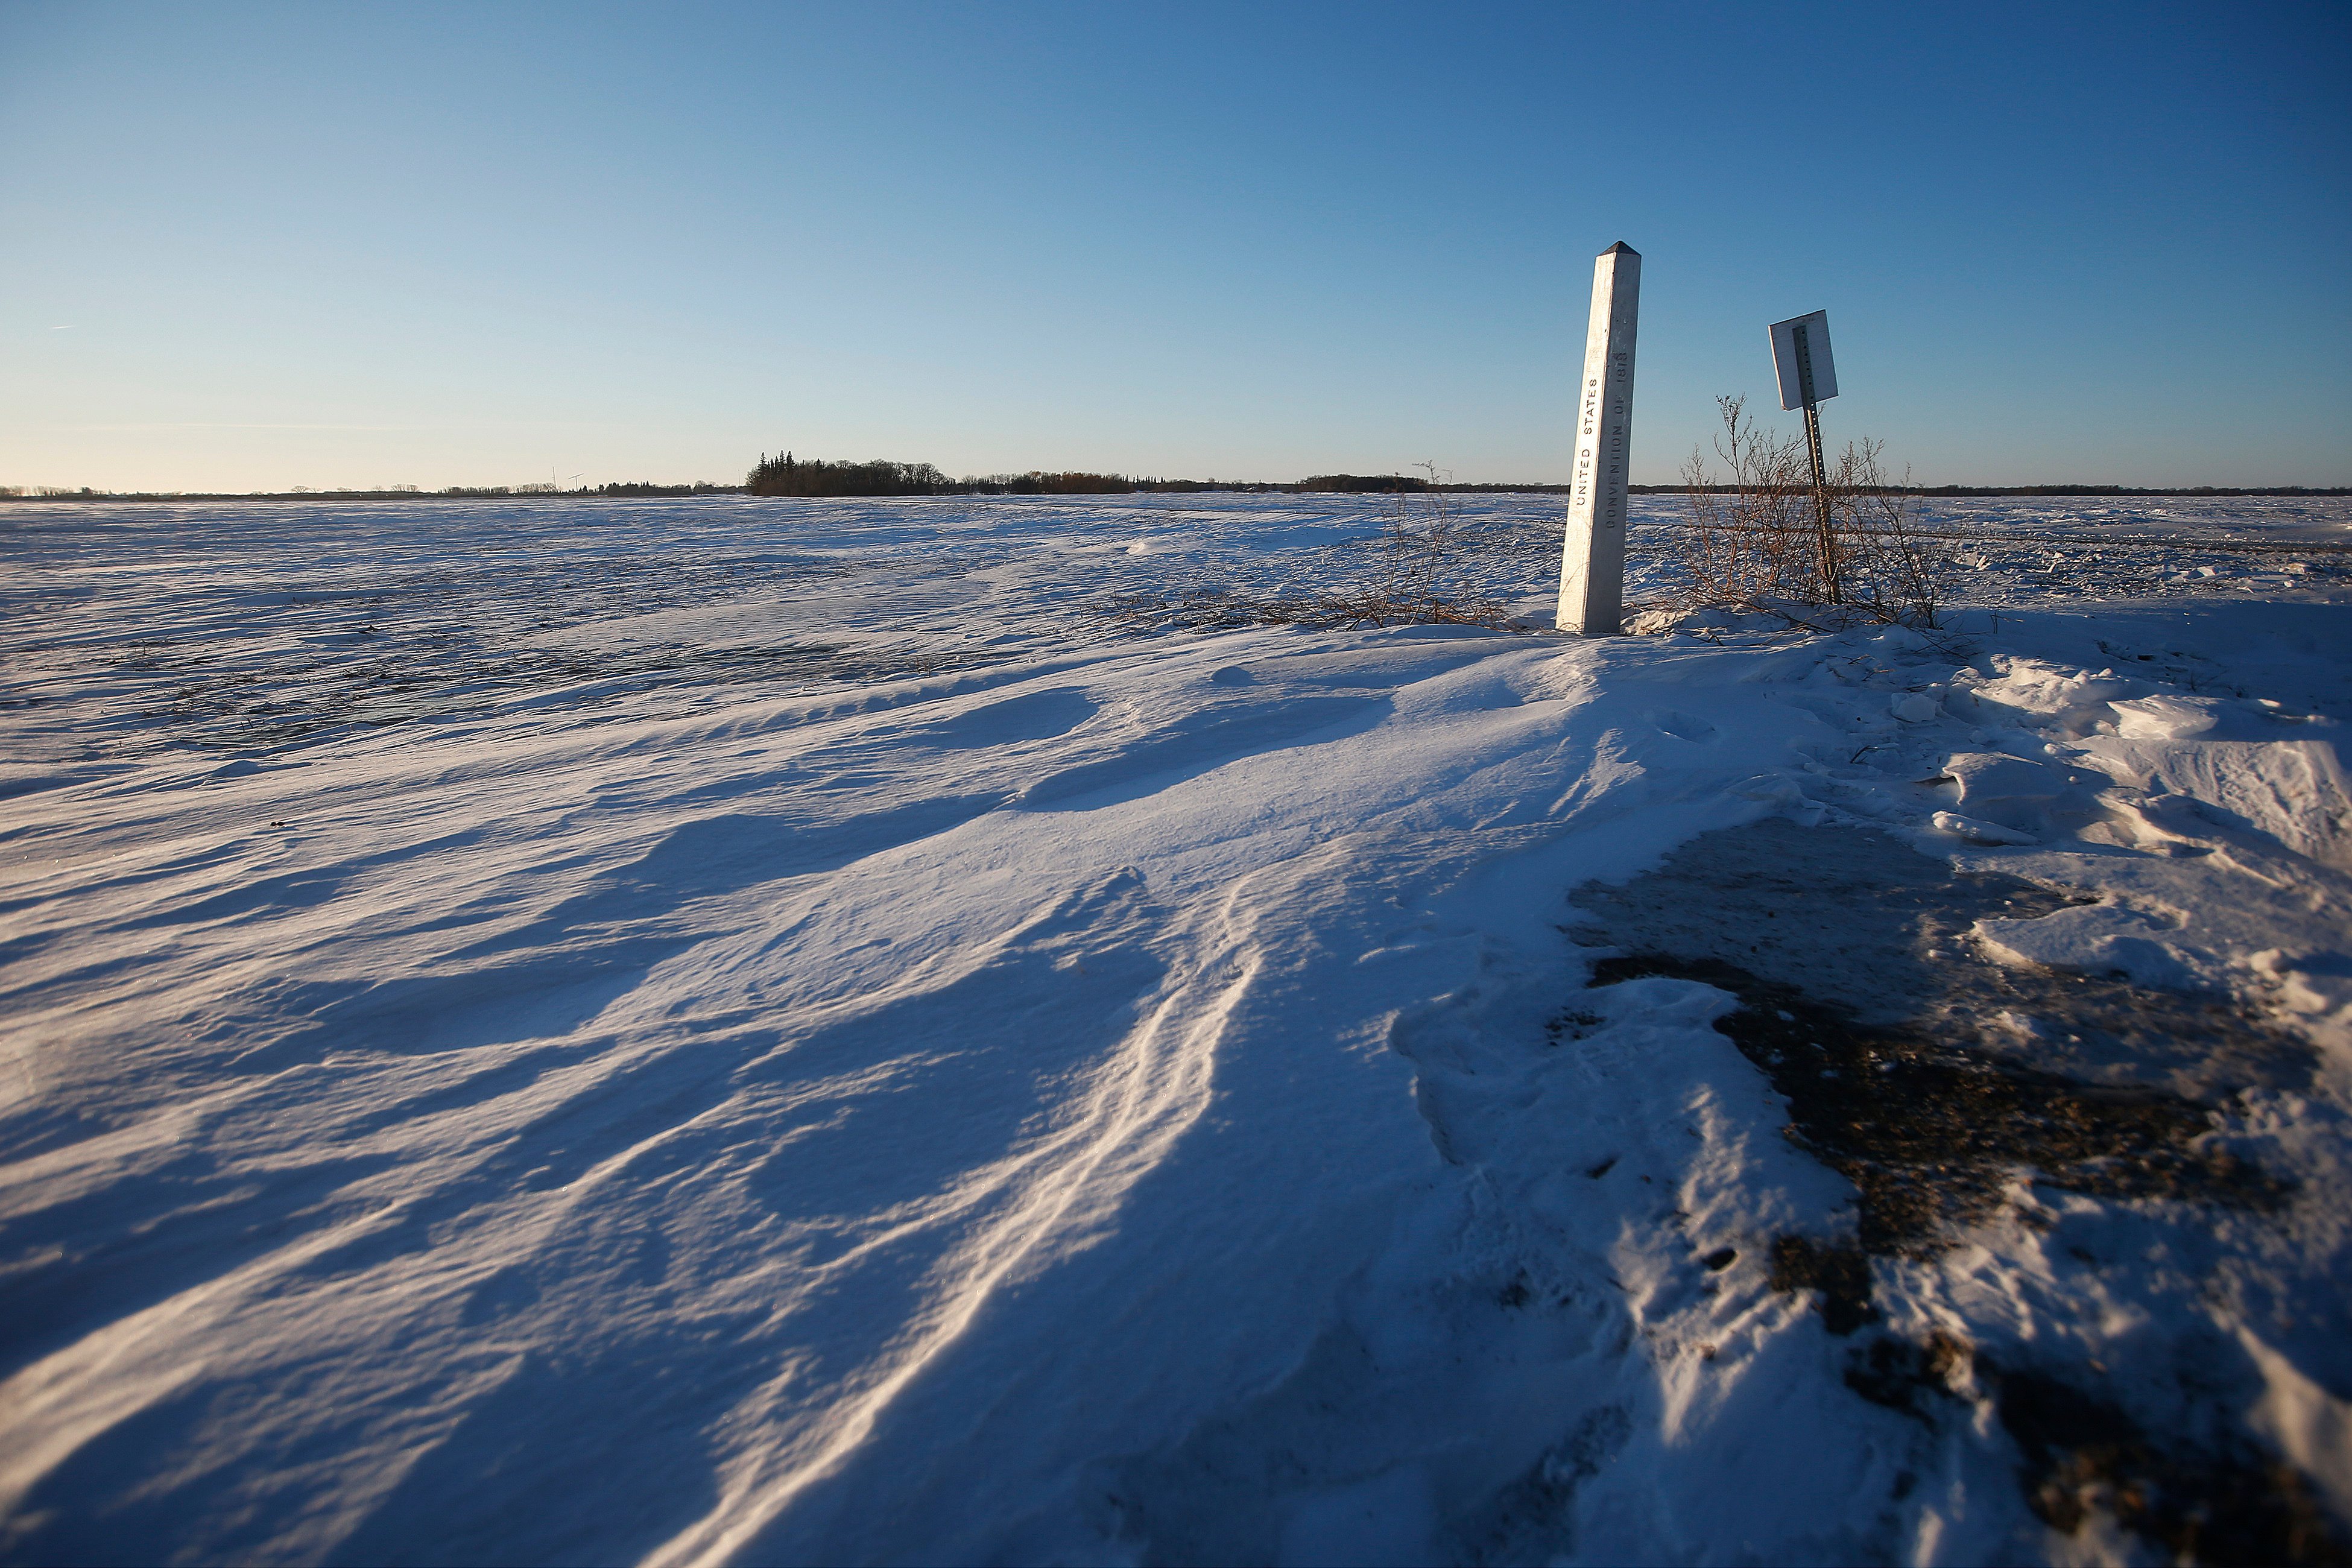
[{"x": 1592, "y": 556}]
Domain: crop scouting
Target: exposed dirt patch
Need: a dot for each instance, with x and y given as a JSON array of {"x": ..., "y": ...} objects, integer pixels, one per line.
[
  {"x": 1865, "y": 1001},
  {"x": 1897, "y": 1041},
  {"x": 1842, "y": 1275},
  {"x": 2219, "y": 1500},
  {"x": 1933, "y": 1078},
  {"x": 2083, "y": 1455},
  {"x": 1862, "y": 922},
  {"x": 1931, "y": 1135}
]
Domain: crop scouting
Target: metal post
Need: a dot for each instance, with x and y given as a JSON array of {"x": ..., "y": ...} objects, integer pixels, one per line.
[
  {"x": 1828, "y": 536},
  {"x": 1592, "y": 551}
]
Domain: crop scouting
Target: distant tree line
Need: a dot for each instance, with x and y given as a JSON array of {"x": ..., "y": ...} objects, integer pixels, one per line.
[
  {"x": 791, "y": 475},
  {"x": 647, "y": 488},
  {"x": 1043, "y": 484},
  {"x": 787, "y": 476},
  {"x": 1375, "y": 484}
]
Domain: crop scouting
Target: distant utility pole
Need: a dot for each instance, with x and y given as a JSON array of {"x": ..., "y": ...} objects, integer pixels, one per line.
[
  {"x": 1593, "y": 555},
  {"x": 1801, "y": 356}
]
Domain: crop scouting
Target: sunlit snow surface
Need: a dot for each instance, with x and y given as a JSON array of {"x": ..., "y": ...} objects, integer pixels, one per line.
[{"x": 812, "y": 1032}]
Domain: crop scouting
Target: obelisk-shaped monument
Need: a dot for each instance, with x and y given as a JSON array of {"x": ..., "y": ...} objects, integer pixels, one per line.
[{"x": 1592, "y": 557}]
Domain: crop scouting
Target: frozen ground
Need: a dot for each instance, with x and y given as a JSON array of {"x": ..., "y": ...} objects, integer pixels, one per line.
[{"x": 740, "y": 1031}]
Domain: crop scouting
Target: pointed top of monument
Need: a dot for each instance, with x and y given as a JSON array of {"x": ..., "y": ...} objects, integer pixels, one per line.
[{"x": 1621, "y": 246}]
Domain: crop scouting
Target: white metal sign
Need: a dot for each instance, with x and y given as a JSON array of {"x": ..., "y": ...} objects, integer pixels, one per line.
[
  {"x": 1592, "y": 553},
  {"x": 1800, "y": 353}
]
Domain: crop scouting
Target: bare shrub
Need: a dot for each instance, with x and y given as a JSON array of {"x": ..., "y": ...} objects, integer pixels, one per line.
[
  {"x": 1425, "y": 574},
  {"x": 1773, "y": 543}
]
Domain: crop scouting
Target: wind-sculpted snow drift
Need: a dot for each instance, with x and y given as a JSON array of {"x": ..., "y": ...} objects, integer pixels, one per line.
[{"x": 791, "y": 1043}]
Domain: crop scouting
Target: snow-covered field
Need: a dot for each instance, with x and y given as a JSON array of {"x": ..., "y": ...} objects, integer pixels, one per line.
[{"x": 842, "y": 1032}]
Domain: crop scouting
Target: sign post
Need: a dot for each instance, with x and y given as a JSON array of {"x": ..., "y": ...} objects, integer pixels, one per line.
[
  {"x": 1593, "y": 555},
  {"x": 1801, "y": 354}
]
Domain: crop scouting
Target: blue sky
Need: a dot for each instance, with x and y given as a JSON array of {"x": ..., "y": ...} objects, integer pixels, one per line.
[{"x": 256, "y": 246}]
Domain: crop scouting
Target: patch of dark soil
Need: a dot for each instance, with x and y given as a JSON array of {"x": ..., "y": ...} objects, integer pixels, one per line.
[
  {"x": 1907, "y": 1377},
  {"x": 1931, "y": 1077},
  {"x": 2215, "y": 1500},
  {"x": 1863, "y": 922},
  {"x": 1841, "y": 1274},
  {"x": 1930, "y": 1135},
  {"x": 2083, "y": 1455}
]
